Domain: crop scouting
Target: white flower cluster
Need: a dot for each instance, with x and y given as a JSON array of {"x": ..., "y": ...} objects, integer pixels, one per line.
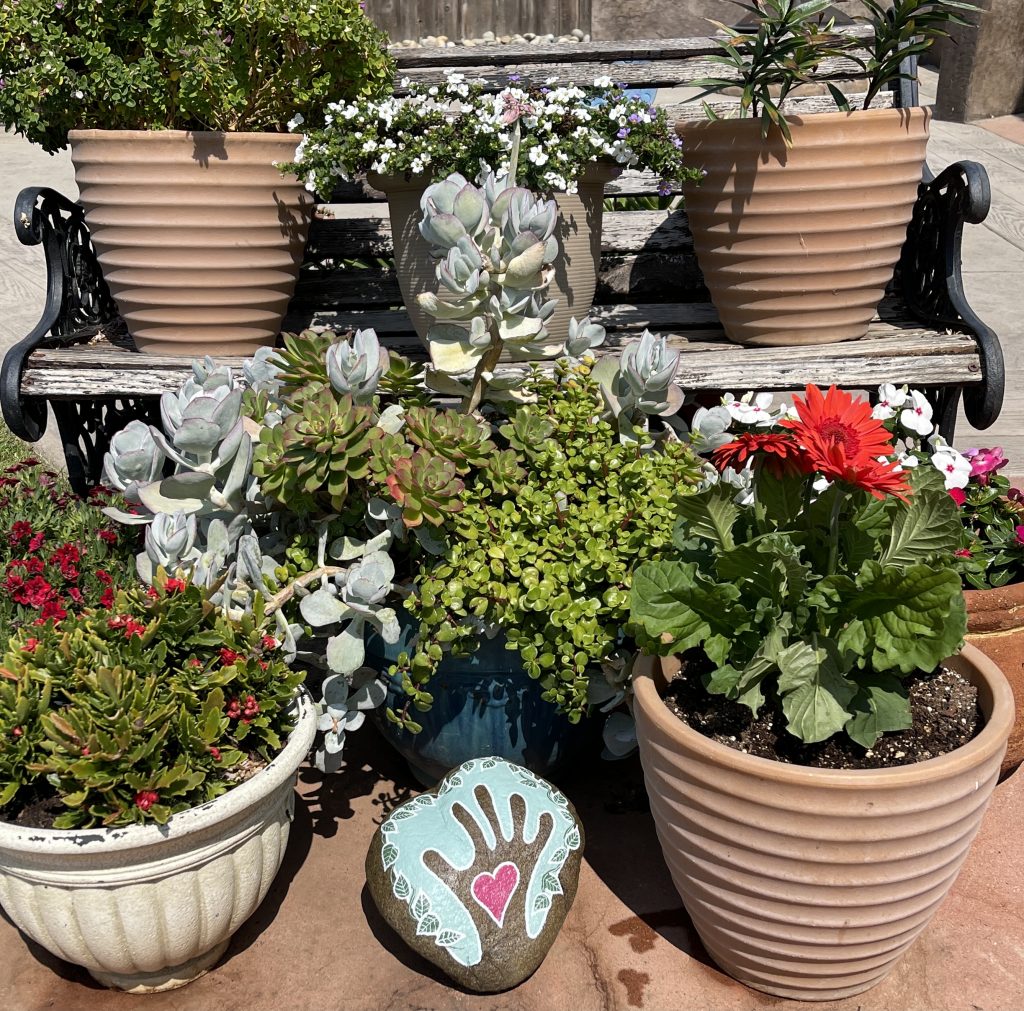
[{"x": 559, "y": 127}]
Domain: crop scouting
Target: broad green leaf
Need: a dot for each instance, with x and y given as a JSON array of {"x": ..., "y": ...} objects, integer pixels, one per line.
[
  {"x": 926, "y": 528},
  {"x": 671, "y": 598},
  {"x": 815, "y": 695},
  {"x": 781, "y": 499},
  {"x": 881, "y": 705},
  {"x": 711, "y": 516},
  {"x": 913, "y": 618}
]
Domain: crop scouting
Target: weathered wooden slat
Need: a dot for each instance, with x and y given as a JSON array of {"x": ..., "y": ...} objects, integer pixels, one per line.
[
  {"x": 600, "y": 51},
  {"x": 622, "y": 232},
  {"x": 648, "y": 74},
  {"x": 800, "y": 105},
  {"x": 890, "y": 353}
]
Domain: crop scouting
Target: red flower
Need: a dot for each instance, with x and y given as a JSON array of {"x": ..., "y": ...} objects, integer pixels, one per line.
[
  {"x": 17, "y": 732},
  {"x": 268, "y": 642},
  {"x": 843, "y": 442},
  {"x": 128, "y": 626},
  {"x": 52, "y": 611},
  {"x": 30, "y": 645},
  {"x": 195, "y": 663},
  {"x": 958, "y": 496},
  {"x": 20, "y": 530},
  {"x": 107, "y": 599},
  {"x": 37, "y": 542},
  {"x": 104, "y": 577},
  {"x": 108, "y": 536},
  {"x": 153, "y": 593},
  {"x": 174, "y": 585},
  {"x": 233, "y": 710},
  {"x": 75, "y": 594},
  {"x": 963, "y": 553},
  {"x": 779, "y": 454},
  {"x": 215, "y": 753},
  {"x": 229, "y": 656},
  {"x": 145, "y": 799},
  {"x": 37, "y": 591}
]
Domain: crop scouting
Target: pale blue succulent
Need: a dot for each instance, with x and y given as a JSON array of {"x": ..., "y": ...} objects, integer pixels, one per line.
[
  {"x": 355, "y": 369},
  {"x": 583, "y": 336},
  {"x": 342, "y": 709},
  {"x": 134, "y": 459},
  {"x": 648, "y": 369},
  {"x": 171, "y": 541},
  {"x": 709, "y": 429}
]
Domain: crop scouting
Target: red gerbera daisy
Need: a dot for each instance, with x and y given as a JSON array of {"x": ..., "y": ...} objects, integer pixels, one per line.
[
  {"x": 778, "y": 453},
  {"x": 843, "y": 442}
]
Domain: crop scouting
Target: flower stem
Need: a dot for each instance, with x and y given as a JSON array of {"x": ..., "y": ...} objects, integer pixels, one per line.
[
  {"x": 833, "y": 547},
  {"x": 276, "y": 602}
]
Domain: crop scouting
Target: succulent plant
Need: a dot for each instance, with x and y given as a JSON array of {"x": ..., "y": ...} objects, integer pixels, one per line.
[
  {"x": 315, "y": 452},
  {"x": 134, "y": 459},
  {"x": 355, "y": 369},
  {"x": 583, "y": 335},
  {"x": 427, "y": 487},
  {"x": 495, "y": 244},
  {"x": 457, "y": 437}
]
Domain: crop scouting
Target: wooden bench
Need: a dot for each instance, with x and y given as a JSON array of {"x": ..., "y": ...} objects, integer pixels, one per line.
[{"x": 80, "y": 360}]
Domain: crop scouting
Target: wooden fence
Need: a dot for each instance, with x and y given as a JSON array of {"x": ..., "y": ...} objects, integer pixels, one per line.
[{"x": 469, "y": 19}]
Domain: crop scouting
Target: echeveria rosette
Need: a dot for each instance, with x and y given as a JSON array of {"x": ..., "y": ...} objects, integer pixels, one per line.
[{"x": 818, "y": 602}]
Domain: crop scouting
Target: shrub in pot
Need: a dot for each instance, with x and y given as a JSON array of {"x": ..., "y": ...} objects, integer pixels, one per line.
[
  {"x": 148, "y": 754},
  {"x": 818, "y": 607},
  {"x": 798, "y": 220},
  {"x": 563, "y": 141},
  {"x": 177, "y": 121}
]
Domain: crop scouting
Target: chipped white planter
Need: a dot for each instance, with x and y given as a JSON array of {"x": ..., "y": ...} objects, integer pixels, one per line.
[{"x": 149, "y": 907}]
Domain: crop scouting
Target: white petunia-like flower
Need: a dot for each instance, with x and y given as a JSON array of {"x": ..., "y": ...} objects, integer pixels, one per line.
[
  {"x": 954, "y": 467},
  {"x": 603, "y": 82},
  {"x": 916, "y": 415},
  {"x": 537, "y": 155},
  {"x": 890, "y": 400},
  {"x": 751, "y": 408},
  {"x": 295, "y": 122}
]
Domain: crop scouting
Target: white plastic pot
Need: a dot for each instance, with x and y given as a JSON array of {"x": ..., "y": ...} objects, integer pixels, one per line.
[{"x": 148, "y": 907}]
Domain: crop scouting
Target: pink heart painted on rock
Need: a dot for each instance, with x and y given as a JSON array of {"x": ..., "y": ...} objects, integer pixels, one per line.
[{"x": 494, "y": 891}]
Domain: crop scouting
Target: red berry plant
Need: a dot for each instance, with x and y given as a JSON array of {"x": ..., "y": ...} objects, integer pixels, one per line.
[
  {"x": 131, "y": 712},
  {"x": 58, "y": 552}
]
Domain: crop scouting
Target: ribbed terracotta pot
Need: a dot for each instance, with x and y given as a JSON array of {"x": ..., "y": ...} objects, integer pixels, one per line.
[
  {"x": 578, "y": 234},
  {"x": 199, "y": 236},
  {"x": 797, "y": 244},
  {"x": 811, "y": 883},
  {"x": 152, "y": 907},
  {"x": 995, "y": 624}
]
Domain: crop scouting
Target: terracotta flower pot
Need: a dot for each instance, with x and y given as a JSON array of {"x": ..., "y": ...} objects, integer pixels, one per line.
[
  {"x": 995, "y": 624},
  {"x": 797, "y": 244},
  {"x": 578, "y": 233},
  {"x": 811, "y": 883},
  {"x": 199, "y": 236}
]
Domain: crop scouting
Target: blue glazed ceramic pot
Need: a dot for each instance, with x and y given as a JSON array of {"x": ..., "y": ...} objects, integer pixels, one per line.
[{"x": 484, "y": 705}]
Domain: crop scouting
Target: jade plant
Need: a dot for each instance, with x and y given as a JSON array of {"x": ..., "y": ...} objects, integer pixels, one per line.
[
  {"x": 546, "y": 556},
  {"x": 129, "y": 713}
]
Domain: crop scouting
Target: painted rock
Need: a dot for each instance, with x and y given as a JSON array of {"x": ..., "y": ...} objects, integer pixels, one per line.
[{"x": 477, "y": 875}]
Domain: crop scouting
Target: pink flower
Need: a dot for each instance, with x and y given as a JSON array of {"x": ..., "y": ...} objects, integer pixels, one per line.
[
  {"x": 958, "y": 496},
  {"x": 1019, "y": 532},
  {"x": 229, "y": 656},
  {"x": 985, "y": 462},
  {"x": 963, "y": 553},
  {"x": 145, "y": 799}
]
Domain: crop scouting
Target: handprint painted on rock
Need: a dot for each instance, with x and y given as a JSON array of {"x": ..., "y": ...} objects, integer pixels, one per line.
[{"x": 478, "y": 874}]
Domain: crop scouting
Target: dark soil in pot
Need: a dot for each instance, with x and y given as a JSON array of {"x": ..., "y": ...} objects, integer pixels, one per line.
[{"x": 943, "y": 705}]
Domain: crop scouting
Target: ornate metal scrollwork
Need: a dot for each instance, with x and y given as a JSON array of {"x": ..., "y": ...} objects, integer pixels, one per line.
[
  {"x": 77, "y": 297},
  {"x": 87, "y": 426},
  {"x": 930, "y": 283}
]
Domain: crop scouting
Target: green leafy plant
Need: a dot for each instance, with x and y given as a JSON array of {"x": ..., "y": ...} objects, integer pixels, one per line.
[
  {"x": 826, "y": 589},
  {"x": 791, "y": 39},
  {"x": 546, "y": 555},
  {"x": 132, "y": 713},
  {"x": 182, "y": 64}
]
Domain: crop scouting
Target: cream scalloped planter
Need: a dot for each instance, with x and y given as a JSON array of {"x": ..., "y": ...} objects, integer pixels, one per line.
[
  {"x": 811, "y": 883},
  {"x": 146, "y": 907}
]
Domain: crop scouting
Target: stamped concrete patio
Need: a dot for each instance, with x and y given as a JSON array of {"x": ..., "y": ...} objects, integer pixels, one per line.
[{"x": 318, "y": 942}]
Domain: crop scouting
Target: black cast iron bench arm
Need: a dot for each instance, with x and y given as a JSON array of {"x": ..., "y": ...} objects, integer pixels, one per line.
[{"x": 930, "y": 283}]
